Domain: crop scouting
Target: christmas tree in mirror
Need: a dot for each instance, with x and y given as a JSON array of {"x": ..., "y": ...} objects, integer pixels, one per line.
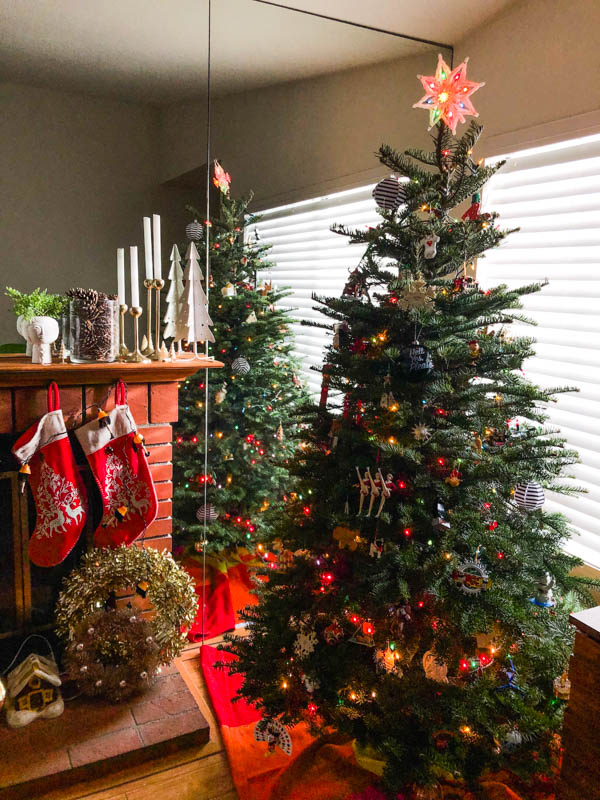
[
  {"x": 254, "y": 401},
  {"x": 433, "y": 593}
]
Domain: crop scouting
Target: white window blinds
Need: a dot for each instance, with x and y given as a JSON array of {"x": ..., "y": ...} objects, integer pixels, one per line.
[
  {"x": 309, "y": 258},
  {"x": 553, "y": 194}
]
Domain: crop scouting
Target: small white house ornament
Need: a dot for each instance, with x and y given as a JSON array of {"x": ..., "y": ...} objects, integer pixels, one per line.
[{"x": 32, "y": 690}]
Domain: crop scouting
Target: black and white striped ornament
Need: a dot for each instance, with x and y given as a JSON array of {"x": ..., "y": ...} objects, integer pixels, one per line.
[
  {"x": 194, "y": 231},
  {"x": 241, "y": 366},
  {"x": 529, "y": 496},
  {"x": 206, "y": 513},
  {"x": 388, "y": 194}
]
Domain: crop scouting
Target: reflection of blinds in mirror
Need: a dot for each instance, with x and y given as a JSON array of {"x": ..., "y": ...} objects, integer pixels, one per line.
[
  {"x": 553, "y": 194},
  {"x": 309, "y": 258}
]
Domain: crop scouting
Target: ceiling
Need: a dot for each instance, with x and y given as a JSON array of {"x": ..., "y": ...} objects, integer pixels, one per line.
[{"x": 155, "y": 51}]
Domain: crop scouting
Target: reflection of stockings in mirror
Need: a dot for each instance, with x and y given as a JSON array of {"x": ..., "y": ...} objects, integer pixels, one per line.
[
  {"x": 115, "y": 452},
  {"x": 58, "y": 492}
]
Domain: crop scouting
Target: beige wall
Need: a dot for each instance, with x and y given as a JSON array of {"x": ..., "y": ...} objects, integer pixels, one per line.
[
  {"x": 539, "y": 58},
  {"x": 77, "y": 174},
  {"x": 305, "y": 138}
]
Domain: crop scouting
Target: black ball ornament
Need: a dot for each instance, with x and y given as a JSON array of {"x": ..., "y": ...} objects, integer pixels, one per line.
[{"x": 418, "y": 359}]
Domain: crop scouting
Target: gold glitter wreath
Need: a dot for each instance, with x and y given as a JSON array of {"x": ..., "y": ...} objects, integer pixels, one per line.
[{"x": 169, "y": 589}]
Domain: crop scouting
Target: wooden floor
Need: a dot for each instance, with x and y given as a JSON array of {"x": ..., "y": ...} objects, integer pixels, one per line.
[{"x": 195, "y": 774}]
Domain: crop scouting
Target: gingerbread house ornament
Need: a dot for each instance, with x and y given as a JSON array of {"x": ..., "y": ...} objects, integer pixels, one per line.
[{"x": 32, "y": 691}]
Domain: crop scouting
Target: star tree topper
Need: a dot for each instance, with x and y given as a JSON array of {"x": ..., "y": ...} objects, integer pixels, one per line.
[{"x": 447, "y": 94}]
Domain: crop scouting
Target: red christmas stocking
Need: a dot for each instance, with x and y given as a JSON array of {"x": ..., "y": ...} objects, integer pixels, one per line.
[
  {"x": 115, "y": 452},
  {"x": 60, "y": 499}
]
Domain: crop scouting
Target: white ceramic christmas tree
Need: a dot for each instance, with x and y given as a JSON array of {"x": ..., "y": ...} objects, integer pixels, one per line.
[
  {"x": 196, "y": 319},
  {"x": 174, "y": 317}
]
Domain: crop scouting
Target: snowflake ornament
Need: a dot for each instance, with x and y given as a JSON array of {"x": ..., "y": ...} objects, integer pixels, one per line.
[
  {"x": 305, "y": 644},
  {"x": 416, "y": 296},
  {"x": 421, "y": 433},
  {"x": 448, "y": 95}
]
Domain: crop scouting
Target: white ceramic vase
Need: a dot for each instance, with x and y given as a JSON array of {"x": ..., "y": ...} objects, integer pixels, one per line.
[{"x": 41, "y": 332}]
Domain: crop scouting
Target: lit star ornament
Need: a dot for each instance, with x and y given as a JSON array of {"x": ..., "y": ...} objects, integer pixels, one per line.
[{"x": 447, "y": 94}]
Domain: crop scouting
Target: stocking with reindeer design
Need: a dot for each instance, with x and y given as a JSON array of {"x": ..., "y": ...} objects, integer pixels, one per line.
[
  {"x": 46, "y": 458},
  {"x": 115, "y": 452}
]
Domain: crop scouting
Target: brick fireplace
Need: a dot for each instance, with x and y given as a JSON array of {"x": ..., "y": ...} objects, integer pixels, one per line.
[
  {"x": 27, "y": 592},
  {"x": 92, "y": 737}
]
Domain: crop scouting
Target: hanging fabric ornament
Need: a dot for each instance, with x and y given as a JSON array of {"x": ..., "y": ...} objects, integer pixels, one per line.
[
  {"x": 280, "y": 435},
  {"x": 429, "y": 245},
  {"x": 206, "y": 513},
  {"x": 60, "y": 498},
  {"x": 194, "y": 231},
  {"x": 417, "y": 295},
  {"x": 221, "y": 394},
  {"x": 388, "y": 194},
  {"x": 274, "y": 734},
  {"x": 471, "y": 577},
  {"x": 529, "y": 496},
  {"x": 229, "y": 290},
  {"x": 251, "y": 318},
  {"x": 240, "y": 366},
  {"x": 418, "y": 358}
]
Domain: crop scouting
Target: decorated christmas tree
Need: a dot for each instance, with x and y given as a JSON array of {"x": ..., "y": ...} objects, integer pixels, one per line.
[
  {"x": 424, "y": 611},
  {"x": 254, "y": 400}
]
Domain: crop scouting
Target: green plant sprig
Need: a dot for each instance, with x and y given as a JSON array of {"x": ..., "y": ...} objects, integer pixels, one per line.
[{"x": 37, "y": 304}]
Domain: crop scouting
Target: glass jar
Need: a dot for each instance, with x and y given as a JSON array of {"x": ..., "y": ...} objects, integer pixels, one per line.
[{"x": 94, "y": 329}]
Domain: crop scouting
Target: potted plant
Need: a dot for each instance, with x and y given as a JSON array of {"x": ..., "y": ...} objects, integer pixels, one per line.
[{"x": 36, "y": 320}]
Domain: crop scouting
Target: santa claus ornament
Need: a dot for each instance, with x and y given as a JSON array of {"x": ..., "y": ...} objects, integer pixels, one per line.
[
  {"x": 47, "y": 460},
  {"x": 116, "y": 455}
]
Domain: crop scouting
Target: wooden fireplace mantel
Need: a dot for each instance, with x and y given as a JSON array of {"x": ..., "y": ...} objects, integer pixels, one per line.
[{"x": 17, "y": 370}]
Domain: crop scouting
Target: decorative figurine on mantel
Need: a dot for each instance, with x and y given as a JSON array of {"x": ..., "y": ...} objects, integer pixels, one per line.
[
  {"x": 173, "y": 318},
  {"x": 196, "y": 319}
]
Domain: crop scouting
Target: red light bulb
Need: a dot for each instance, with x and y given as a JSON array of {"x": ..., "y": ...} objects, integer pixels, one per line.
[{"x": 464, "y": 664}]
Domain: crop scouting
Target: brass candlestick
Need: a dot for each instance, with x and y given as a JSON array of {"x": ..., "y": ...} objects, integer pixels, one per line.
[
  {"x": 158, "y": 285},
  {"x": 123, "y": 349},
  {"x": 149, "y": 349},
  {"x": 136, "y": 356}
]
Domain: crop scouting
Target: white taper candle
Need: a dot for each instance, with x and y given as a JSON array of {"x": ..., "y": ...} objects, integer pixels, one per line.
[
  {"x": 121, "y": 275},
  {"x": 148, "y": 248},
  {"x": 135, "y": 287},
  {"x": 156, "y": 246}
]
